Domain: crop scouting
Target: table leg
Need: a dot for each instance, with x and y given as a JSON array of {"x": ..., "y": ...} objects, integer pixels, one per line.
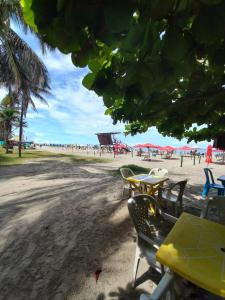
[
  {"x": 154, "y": 188},
  {"x": 139, "y": 188}
]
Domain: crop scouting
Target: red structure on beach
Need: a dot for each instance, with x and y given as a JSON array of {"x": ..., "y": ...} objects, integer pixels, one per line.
[
  {"x": 208, "y": 158},
  {"x": 107, "y": 138},
  {"x": 108, "y": 141}
]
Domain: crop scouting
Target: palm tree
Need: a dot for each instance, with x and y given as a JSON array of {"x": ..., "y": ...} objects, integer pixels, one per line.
[
  {"x": 21, "y": 71},
  {"x": 9, "y": 117}
]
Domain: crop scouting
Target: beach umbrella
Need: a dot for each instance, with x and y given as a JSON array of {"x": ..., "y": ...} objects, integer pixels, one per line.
[
  {"x": 168, "y": 148},
  {"x": 152, "y": 146},
  {"x": 185, "y": 148},
  {"x": 208, "y": 158},
  {"x": 217, "y": 150},
  {"x": 139, "y": 146},
  {"x": 147, "y": 145}
]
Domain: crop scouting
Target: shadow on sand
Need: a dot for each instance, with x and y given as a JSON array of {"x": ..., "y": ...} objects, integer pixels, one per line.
[{"x": 49, "y": 233}]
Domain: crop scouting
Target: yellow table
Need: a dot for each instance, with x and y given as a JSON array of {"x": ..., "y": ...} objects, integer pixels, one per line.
[
  {"x": 152, "y": 182},
  {"x": 195, "y": 250}
]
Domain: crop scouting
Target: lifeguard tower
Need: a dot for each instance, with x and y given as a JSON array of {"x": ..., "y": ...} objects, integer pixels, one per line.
[
  {"x": 107, "y": 140},
  {"x": 109, "y": 143}
]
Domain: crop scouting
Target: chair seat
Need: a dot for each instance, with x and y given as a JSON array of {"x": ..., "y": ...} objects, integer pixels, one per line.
[
  {"x": 217, "y": 186},
  {"x": 167, "y": 196},
  {"x": 149, "y": 253}
]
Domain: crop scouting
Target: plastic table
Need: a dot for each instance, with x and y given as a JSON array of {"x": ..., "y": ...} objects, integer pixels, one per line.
[
  {"x": 151, "y": 182},
  {"x": 195, "y": 250}
]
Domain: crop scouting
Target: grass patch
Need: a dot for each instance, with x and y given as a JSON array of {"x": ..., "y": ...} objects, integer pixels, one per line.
[
  {"x": 89, "y": 159},
  {"x": 135, "y": 168},
  {"x": 13, "y": 159}
]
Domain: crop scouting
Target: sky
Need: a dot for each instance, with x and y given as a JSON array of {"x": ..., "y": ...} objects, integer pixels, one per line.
[{"x": 74, "y": 114}]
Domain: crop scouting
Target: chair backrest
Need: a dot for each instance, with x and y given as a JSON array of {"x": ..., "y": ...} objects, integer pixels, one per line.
[
  {"x": 181, "y": 187},
  {"x": 158, "y": 172},
  {"x": 209, "y": 176},
  {"x": 215, "y": 209},
  {"x": 182, "y": 184},
  {"x": 163, "y": 172},
  {"x": 126, "y": 172},
  {"x": 144, "y": 211}
]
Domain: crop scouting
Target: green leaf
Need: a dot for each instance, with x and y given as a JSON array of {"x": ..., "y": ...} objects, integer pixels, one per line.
[
  {"x": 28, "y": 13},
  {"x": 95, "y": 65},
  {"x": 134, "y": 36},
  {"x": 210, "y": 2},
  {"x": 160, "y": 9},
  {"x": 88, "y": 81},
  {"x": 119, "y": 19},
  {"x": 129, "y": 78},
  {"x": 108, "y": 101},
  {"x": 176, "y": 45},
  {"x": 79, "y": 60},
  {"x": 209, "y": 26}
]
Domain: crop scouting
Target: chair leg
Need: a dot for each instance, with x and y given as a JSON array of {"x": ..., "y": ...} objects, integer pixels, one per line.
[
  {"x": 144, "y": 277},
  {"x": 123, "y": 192},
  {"x": 205, "y": 191},
  {"x": 163, "y": 289},
  {"x": 131, "y": 192},
  {"x": 136, "y": 265},
  {"x": 220, "y": 192},
  {"x": 175, "y": 209}
]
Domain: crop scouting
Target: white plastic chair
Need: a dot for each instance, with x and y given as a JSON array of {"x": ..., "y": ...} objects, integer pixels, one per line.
[{"x": 158, "y": 172}]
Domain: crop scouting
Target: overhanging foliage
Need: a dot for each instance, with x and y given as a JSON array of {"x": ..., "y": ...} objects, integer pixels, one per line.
[{"x": 155, "y": 63}]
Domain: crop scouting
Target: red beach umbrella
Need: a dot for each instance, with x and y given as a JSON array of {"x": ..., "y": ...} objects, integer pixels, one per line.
[
  {"x": 208, "y": 158},
  {"x": 139, "y": 146},
  {"x": 185, "y": 148},
  {"x": 152, "y": 146},
  {"x": 217, "y": 150},
  {"x": 168, "y": 148}
]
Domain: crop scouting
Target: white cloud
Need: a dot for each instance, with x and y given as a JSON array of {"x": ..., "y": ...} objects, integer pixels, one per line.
[
  {"x": 79, "y": 111},
  {"x": 57, "y": 62},
  {"x": 3, "y": 93},
  {"x": 35, "y": 115}
]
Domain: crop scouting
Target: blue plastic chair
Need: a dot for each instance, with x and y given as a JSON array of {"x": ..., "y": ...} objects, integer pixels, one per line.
[{"x": 210, "y": 184}]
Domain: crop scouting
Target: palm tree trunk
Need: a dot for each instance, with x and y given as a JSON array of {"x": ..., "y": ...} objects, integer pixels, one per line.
[
  {"x": 6, "y": 139},
  {"x": 21, "y": 128}
]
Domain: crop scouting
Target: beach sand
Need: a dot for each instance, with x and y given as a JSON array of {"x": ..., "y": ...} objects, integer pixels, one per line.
[{"x": 60, "y": 221}]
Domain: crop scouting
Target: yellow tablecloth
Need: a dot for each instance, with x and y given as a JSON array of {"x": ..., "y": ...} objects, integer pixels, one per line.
[{"x": 195, "y": 249}]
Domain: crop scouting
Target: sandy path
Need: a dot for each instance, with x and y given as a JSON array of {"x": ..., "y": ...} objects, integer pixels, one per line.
[
  {"x": 59, "y": 224},
  {"x": 61, "y": 221}
]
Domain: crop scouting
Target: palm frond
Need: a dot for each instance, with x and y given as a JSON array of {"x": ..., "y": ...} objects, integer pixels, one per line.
[
  {"x": 10, "y": 63},
  {"x": 12, "y": 10},
  {"x": 20, "y": 67}
]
